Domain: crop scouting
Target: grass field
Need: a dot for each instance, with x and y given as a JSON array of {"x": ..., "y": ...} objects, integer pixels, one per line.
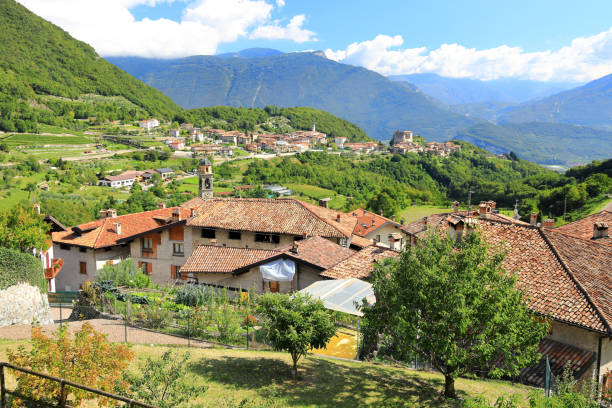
[
  {"x": 38, "y": 140},
  {"x": 264, "y": 380}
]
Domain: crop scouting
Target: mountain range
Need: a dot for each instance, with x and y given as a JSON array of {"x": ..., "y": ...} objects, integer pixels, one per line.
[
  {"x": 456, "y": 91},
  {"x": 375, "y": 103}
]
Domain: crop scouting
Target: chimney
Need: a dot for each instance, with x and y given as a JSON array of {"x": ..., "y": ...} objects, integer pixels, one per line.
[
  {"x": 102, "y": 214},
  {"x": 455, "y": 206},
  {"x": 323, "y": 202},
  {"x": 118, "y": 228},
  {"x": 36, "y": 207},
  {"x": 193, "y": 211},
  {"x": 373, "y": 222},
  {"x": 393, "y": 218},
  {"x": 294, "y": 248},
  {"x": 548, "y": 223},
  {"x": 161, "y": 205},
  {"x": 111, "y": 213},
  {"x": 424, "y": 221},
  {"x": 600, "y": 230},
  {"x": 213, "y": 242},
  {"x": 364, "y": 213},
  {"x": 338, "y": 217},
  {"x": 484, "y": 209},
  {"x": 533, "y": 218},
  {"x": 176, "y": 215},
  {"x": 492, "y": 204}
]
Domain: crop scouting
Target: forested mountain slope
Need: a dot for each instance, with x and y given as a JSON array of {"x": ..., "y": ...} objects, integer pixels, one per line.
[{"x": 44, "y": 73}]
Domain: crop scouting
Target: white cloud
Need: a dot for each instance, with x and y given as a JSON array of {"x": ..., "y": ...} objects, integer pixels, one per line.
[
  {"x": 586, "y": 58},
  {"x": 280, "y": 3},
  {"x": 110, "y": 27},
  {"x": 292, "y": 31}
]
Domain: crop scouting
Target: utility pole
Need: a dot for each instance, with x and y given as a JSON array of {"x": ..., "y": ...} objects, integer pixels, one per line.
[
  {"x": 564, "y": 207},
  {"x": 470, "y": 201}
]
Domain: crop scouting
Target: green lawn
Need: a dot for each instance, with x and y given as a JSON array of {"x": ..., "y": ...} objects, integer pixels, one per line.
[
  {"x": 416, "y": 212},
  {"x": 263, "y": 378}
]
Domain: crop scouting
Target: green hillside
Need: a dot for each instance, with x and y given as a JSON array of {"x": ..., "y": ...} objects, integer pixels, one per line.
[
  {"x": 376, "y": 104},
  {"x": 46, "y": 76},
  {"x": 549, "y": 143},
  {"x": 272, "y": 119}
]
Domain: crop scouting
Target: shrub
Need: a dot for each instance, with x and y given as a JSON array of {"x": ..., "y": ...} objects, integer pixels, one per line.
[
  {"x": 153, "y": 317},
  {"x": 194, "y": 295},
  {"x": 17, "y": 267},
  {"x": 162, "y": 381},
  {"x": 227, "y": 323},
  {"x": 86, "y": 358}
]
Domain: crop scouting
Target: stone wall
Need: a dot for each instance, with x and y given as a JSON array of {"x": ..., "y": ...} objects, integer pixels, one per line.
[{"x": 24, "y": 304}]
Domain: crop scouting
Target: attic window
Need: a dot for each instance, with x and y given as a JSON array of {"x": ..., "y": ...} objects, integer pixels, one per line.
[
  {"x": 235, "y": 235},
  {"x": 208, "y": 233},
  {"x": 270, "y": 238},
  {"x": 65, "y": 247}
]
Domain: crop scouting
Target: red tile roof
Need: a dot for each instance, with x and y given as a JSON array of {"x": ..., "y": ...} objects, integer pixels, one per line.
[
  {"x": 560, "y": 357},
  {"x": 549, "y": 268},
  {"x": 367, "y": 222},
  {"x": 318, "y": 251},
  {"x": 360, "y": 264},
  {"x": 102, "y": 232},
  {"x": 282, "y": 216},
  {"x": 218, "y": 259},
  {"x": 584, "y": 227}
]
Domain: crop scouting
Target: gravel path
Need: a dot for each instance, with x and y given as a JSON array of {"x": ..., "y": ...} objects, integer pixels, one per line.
[{"x": 114, "y": 329}]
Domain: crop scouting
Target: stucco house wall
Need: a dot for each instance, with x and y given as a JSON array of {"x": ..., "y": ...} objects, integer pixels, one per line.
[
  {"x": 70, "y": 278},
  {"x": 383, "y": 233}
]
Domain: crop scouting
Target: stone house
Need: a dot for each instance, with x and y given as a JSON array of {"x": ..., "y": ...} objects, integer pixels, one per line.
[{"x": 240, "y": 268}]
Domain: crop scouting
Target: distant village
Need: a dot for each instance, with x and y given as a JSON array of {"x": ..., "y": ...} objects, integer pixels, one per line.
[{"x": 223, "y": 142}]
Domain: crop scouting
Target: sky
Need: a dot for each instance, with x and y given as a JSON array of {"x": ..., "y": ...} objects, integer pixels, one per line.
[{"x": 561, "y": 40}]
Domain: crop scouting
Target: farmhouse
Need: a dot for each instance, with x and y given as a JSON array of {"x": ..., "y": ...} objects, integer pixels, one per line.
[{"x": 148, "y": 124}]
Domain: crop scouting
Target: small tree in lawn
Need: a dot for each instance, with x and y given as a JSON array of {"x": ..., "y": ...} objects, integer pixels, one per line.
[
  {"x": 295, "y": 323},
  {"x": 453, "y": 303}
]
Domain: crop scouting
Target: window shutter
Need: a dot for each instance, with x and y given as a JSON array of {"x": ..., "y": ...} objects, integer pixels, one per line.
[
  {"x": 140, "y": 265},
  {"x": 172, "y": 271},
  {"x": 150, "y": 266}
]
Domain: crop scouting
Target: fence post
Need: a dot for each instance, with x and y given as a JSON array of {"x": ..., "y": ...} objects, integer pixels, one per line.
[
  {"x": 62, "y": 398},
  {"x": 2, "y": 387},
  {"x": 125, "y": 318}
]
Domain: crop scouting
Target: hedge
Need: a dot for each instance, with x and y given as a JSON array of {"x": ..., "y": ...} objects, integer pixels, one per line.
[{"x": 17, "y": 267}]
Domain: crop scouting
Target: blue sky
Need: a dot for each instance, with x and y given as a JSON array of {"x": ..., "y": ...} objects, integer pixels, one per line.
[{"x": 544, "y": 40}]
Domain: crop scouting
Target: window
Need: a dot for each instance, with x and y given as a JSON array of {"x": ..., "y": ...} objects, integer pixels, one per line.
[
  {"x": 147, "y": 244},
  {"x": 82, "y": 249},
  {"x": 270, "y": 238},
  {"x": 175, "y": 271},
  {"x": 65, "y": 247},
  {"x": 145, "y": 267},
  {"x": 208, "y": 233},
  {"x": 378, "y": 238},
  {"x": 83, "y": 268},
  {"x": 178, "y": 249},
  {"x": 235, "y": 235}
]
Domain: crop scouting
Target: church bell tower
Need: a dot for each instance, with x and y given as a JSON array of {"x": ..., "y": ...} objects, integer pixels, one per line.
[{"x": 206, "y": 179}]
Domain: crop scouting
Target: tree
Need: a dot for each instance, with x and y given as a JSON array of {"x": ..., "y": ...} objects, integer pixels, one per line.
[
  {"x": 451, "y": 302},
  {"x": 295, "y": 323},
  {"x": 163, "y": 381},
  {"x": 86, "y": 358},
  {"x": 22, "y": 229}
]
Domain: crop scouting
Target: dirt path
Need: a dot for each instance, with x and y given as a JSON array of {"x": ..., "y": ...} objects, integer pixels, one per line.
[
  {"x": 114, "y": 329},
  {"x": 608, "y": 207}
]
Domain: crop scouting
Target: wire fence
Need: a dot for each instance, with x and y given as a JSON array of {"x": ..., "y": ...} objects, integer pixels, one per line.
[{"x": 64, "y": 390}]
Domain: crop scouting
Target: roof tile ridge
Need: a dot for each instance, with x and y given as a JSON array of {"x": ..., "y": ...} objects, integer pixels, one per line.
[
  {"x": 245, "y": 249},
  {"x": 562, "y": 232},
  {"x": 321, "y": 218},
  {"x": 576, "y": 282},
  {"x": 102, "y": 228}
]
